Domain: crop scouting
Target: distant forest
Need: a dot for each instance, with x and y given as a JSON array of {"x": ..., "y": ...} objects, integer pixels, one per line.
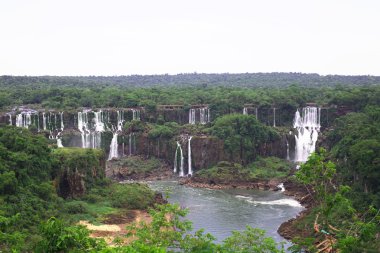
[{"x": 196, "y": 79}]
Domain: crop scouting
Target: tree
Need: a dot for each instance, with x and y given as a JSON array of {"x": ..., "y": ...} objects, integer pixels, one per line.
[{"x": 242, "y": 135}]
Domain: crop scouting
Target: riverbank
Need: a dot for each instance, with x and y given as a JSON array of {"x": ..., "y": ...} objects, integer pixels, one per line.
[
  {"x": 287, "y": 229},
  {"x": 272, "y": 184},
  {"x": 142, "y": 169}
]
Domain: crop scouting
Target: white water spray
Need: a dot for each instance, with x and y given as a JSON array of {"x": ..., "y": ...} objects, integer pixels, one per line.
[
  {"x": 181, "y": 169},
  {"x": 113, "y": 147},
  {"x": 308, "y": 126}
]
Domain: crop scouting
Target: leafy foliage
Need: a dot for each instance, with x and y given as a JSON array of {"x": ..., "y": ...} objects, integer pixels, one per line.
[
  {"x": 263, "y": 168},
  {"x": 242, "y": 134}
]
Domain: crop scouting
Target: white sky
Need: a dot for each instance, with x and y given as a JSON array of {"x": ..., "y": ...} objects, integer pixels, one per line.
[{"x": 116, "y": 37}]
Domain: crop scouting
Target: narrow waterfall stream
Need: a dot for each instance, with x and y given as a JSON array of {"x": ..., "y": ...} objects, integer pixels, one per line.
[
  {"x": 190, "y": 169},
  {"x": 114, "y": 146}
]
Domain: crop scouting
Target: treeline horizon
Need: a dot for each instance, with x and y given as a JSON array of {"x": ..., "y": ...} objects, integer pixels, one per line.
[{"x": 259, "y": 79}]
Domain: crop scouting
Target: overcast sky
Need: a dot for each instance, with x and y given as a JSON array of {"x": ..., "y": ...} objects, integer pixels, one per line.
[{"x": 111, "y": 37}]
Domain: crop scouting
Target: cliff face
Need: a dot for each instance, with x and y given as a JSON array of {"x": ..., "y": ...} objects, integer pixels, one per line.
[{"x": 207, "y": 151}]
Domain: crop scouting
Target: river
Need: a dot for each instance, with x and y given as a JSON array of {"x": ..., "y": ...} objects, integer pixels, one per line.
[{"x": 221, "y": 211}]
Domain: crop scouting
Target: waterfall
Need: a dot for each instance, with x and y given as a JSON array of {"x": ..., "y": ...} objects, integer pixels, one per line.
[
  {"x": 130, "y": 144},
  {"x": 38, "y": 122},
  {"x": 204, "y": 115},
  {"x": 92, "y": 137},
  {"x": 59, "y": 140},
  {"x": 190, "y": 170},
  {"x": 44, "y": 121},
  {"x": 120, "y": 120},
  {"x": 114, "y": 144},
  {"x": 181, "y": 170},
  {"x": 257, "y": 113},
  {"x": 245, "y": 111},
  {"x": 58, "y": 137},
  {"x": 113, "y": 147},
  {"x": 59, "y": 143},
  {"x": 99, "y": 124},
  {"x": 28, "y": 120},
  {"x": 192, "y": 116},
  {"x": 274, "y": 117},
  {"x": 281, "y": 186},
  {"x": 83, "y": 128},
  {"x": 135, "y": 114},
  {"x": 62, "y": 126},
  {"x": 10, "y": 119},
  {"x": 23, "y": 119},
  {"x": 308, "y": 126},
  {"x": 287, "y": 150},
  {"x": 176, "y": 158}
]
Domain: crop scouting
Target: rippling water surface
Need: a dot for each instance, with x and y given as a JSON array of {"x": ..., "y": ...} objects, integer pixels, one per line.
[{"x": 221, "y": 211}]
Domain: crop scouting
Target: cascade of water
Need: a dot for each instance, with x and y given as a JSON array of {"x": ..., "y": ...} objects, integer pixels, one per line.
[
  {"x": 245, "y": 111},
  {"x": 38, "y": 122},
  {"x": 23, "y": 119},
  {"x": 113, "y": 147},
  {"x": 135, "y": 114},
  {"x": 257, "y": 113},
  {"x": 120, "y": 120},
  {"x": 62, "y": 126},
  {"x": 192, "y": 116},
  {"x": 181, "y": 169},
  {"x": 274, "y": 117},
  {"x": 114, "y": 153},
  {"x": 281, "y": 186},
  {"x": 287, "y": 150},
  {"x": 190, "y": 170},
  {"x": 19, "y": 120},
  {"x": 44, "y": 121},
  {"x": 58, "y": 137},
  {"x": 50, "y": 125},
  {"x": 208, "y": 115},
  {"x": 83, "y": 128},
  {"x": 99, "y": 124},
  {"x": 59, "y": 140},
  {"x": 203, "y": 115},
  {"x": 176, "y": 158},
  {"x": 308, "y": 126},
  {"x": 28, "y": 120}
]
